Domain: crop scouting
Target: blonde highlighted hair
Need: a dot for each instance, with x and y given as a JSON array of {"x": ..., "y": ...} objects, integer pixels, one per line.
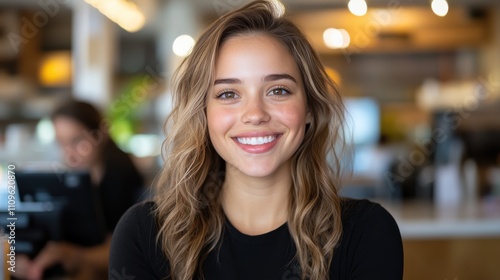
[{"x": 188, "y": 209}]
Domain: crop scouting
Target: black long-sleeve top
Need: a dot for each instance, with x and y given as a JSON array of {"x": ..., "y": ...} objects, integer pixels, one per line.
[{"x": 370, "y": 248}]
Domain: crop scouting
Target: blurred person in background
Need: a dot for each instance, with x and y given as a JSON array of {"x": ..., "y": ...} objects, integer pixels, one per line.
[{"x": 86, "y": 145}]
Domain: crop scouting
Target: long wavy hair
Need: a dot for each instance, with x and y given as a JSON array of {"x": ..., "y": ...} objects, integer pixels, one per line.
[{"x": 188, "y": 208}]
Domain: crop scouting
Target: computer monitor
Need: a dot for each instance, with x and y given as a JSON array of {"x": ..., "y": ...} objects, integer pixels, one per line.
[
  {"x": 46, "y": 186},
  {"x": 82, "y": 220}
]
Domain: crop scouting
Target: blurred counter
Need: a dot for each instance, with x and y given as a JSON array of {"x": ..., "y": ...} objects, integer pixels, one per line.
[
  {"x": 454, "y": 241},
  {"x": 425, "y": 220}
]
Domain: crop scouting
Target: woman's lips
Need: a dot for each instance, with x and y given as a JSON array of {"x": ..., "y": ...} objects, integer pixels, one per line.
[
  {"x": 261, "y": 140},
  {"x": 257, "y": 144}
]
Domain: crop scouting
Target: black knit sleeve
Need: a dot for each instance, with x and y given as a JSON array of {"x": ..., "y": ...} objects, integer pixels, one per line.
[
  {"x": 378, "y": 250},
  {"x": 134, "y": 252}
]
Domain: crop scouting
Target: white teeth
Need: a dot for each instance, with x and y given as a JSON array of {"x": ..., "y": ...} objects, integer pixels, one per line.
[{"x": 256, "y": 140}]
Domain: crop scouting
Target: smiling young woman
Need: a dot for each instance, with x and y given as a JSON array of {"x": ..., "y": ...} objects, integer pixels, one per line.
[{"x": 247, "y": 191}]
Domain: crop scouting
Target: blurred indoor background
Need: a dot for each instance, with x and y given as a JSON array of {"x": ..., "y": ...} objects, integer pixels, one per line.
[{"x": 421, "y": 80}]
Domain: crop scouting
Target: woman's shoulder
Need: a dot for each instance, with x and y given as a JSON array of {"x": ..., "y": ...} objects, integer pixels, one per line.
[
  {"x": 141, "y": 209},
  {"x": 134, "y": 245},
  {"x": 364, "y": 217},
  {"x": 135, "y": 220},
  {"x": 371, "y": 243},
  {"x": 360, "y": 209},
  {"x": 138, "y": 221}
]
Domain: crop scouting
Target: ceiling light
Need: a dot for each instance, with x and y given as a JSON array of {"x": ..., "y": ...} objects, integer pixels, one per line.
[
  {"x": 279, "y": 8},
  {"x": 183, "y": 45},
  {"x": 336, "y": 38},
  {"x": 358, "y": 7},
  {"x": 124, "y": 13},
  {"x": 439, "y": 7}
]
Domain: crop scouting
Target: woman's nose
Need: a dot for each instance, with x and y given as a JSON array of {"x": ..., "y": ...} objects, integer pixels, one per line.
[{"x": 255, "y": 112}]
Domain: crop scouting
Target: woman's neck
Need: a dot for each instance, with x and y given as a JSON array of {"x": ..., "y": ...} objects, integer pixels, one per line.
[{"x": 256, "y": 205}]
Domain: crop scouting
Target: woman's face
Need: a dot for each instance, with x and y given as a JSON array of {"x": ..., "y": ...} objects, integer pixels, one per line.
[
  {"x": 80, "y": 148},
  {"x": 256, "y": 109}
]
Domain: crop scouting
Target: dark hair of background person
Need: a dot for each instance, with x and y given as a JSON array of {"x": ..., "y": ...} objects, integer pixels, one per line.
[{"x": 80, "y": 111}]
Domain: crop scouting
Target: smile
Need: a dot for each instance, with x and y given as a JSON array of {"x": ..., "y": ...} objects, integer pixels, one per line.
[{"x": 256, "y": 140}]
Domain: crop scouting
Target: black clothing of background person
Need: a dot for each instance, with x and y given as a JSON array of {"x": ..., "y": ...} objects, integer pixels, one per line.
[
  {"x": 120, "y": 186},
  {"x": 117, "y": 191},
  {"x": 83, "y": 136}
]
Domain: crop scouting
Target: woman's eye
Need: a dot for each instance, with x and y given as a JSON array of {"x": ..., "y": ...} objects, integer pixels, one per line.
[
  {"x": 227, "y": 95},
  {"x": 280, "y": 92}
]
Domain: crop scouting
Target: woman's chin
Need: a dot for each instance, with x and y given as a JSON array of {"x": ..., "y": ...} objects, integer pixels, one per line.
[{"x": 257, "y": 171}]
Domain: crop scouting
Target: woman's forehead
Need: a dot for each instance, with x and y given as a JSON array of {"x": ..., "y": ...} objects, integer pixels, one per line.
[{"x": 248, "y": 54}]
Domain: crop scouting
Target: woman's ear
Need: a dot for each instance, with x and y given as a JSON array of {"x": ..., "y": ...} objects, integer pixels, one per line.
[{"x": 308, "y": 117}]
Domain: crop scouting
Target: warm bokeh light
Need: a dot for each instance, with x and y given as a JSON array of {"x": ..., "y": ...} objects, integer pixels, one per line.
[
  {"x": 279, "y": 8},
  {"x": 124, "y": 13},
  {"x": 346, "y": 39},
  {"x": 183, "y": 45},
  {"x": 358, "y": 7},
  {"x": 55, "y": 69},
  {"x": 440, "y": 7},
  {"x": 336, "y": 38}
]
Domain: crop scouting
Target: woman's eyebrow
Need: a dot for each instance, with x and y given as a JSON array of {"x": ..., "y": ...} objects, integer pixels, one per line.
[
  {"x": 268, "y": 78},
  {"x": 227, "y": 81},
  {"x": 275, "y": 77}
]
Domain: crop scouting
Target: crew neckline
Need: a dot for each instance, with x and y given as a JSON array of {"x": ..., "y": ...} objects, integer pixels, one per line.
[{"x": 260, "y": 238}]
